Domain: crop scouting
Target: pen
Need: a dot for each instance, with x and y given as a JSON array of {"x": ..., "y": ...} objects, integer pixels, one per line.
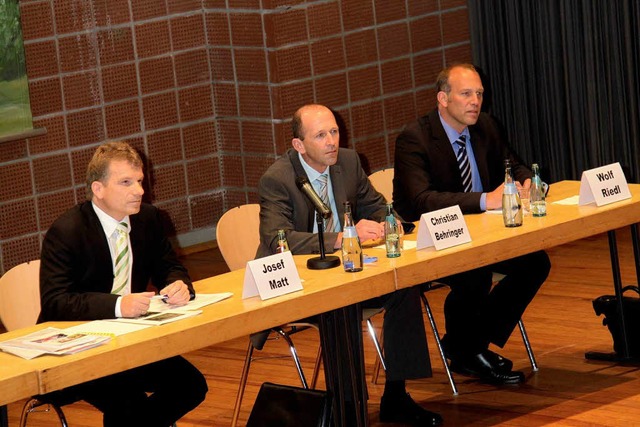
[{"x": 162, "y": 297}]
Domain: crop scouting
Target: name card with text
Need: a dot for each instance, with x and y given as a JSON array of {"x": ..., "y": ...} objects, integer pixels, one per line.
[
  {"x": 603, "y": 185},
  {"x": 271, "y": 276},
  {"x": 443, "y": 229}
]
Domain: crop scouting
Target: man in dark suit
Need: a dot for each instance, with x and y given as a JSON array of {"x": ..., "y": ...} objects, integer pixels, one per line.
[
  {"x": 283, "y": 206},
  {"x": 427, "y": 178},
  {"x": 86, "y": 274}
]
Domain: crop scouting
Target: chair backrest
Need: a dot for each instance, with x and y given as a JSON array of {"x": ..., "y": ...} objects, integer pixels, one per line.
[
  {"x": 382, "y": 181},
  {"x": 238, "y": 235},
  {"x": 20, "y": 295}
]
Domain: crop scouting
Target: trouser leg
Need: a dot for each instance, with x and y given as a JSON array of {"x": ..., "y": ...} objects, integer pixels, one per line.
[
  {"x": 157, "y": 394},
  {"x": 405, "y": 343}
]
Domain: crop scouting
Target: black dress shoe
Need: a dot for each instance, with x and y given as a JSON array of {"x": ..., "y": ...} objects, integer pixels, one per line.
[
  {"x": 478, "y": 366},
  {"x": 500, "y": 363},
  {"x": 402, "y": 409}
]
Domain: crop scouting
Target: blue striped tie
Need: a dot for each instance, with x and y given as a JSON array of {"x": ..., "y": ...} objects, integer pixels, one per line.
[
  {"x": 324, "y": 195},
  {"x": 463, "y": 163}
]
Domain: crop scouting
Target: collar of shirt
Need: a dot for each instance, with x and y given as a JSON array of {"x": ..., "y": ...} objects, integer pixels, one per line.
[
  {"x": 453, "y": 134},
  {"x": 109, "y": 223},
  {"x": 313, "y": 174}
]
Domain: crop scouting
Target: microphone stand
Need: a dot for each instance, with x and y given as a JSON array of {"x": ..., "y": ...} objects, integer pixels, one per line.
[{"x": 322, "y": 262}]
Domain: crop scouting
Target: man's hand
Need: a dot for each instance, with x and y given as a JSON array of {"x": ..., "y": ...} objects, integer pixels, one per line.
[
  {"x": 177, "y": 293},
  {"x": 494, "y": 199},
  {"x": 135, "y": 305},
  {"x": 369, "y": 230},
  {"x": 366, "y": 229},
  {"x": 523, "y": 189}
]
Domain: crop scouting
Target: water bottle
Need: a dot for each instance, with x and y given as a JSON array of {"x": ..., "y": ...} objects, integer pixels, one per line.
[
  {"x": 351, "y": 248},
  {"x": 391, "y": 233},
  {"x": 511, "y": 205},
  {"x": 536, "y": 194},
  {"x": 283, "y": 246}
]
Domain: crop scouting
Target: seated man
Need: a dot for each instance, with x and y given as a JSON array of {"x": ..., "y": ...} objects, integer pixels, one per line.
[
  {"x": 283, "y": 206},
  {"x": 454, "y": 156},
  {"x": 96, "y": 262}
]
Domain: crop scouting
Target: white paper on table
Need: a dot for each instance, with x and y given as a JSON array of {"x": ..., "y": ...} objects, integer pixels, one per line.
[
  {"x": 104, "y": 327},
  {"x": 198, "y": 302},
  {"x": 407, "y": 244},
  {"x": 569, "y": 201}
]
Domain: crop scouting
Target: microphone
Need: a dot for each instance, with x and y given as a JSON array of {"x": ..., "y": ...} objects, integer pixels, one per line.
[{"x": 305, "y": 186}]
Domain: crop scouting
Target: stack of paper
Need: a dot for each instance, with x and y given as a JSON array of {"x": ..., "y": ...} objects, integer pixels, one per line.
[
  {"x": 52, "y": 341},
  {"x": 160, "y": 313}
]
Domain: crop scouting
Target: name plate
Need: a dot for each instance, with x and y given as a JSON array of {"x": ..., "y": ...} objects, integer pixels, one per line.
[
  {"x": 443, "y": 229},
  {"x": 603, "y": 185},
  {"x": 271, "y": 276}
]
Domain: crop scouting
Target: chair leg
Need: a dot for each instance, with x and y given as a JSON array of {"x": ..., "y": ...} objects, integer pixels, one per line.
[
  {"x": 316, "y": 368},
  {"x": 242, "y": 386},
  {"x": 63, "y": 419},
  {"x": 34, "y": 403},
  {"x": 527, "y": 345},
  {"x": 436, "y": 335},
  {"x": 380, "y": 359},
  {"x": 294, "y": 355},
  {"x": 26, "y": 409}
]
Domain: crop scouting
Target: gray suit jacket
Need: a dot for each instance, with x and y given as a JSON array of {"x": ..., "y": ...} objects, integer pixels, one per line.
[{"x": 284, "y": 206}]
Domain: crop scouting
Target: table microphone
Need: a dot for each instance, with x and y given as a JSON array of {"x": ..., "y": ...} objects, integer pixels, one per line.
[
  {"x": 322, "y": 211},
  {"x": 305, "y": 186}
]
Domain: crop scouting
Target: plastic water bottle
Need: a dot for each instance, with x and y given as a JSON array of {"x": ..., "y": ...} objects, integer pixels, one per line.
[
  {"x": 351, "y": 248},
  {"x": 283, "y": 245},
  {"x": 391, "y": 234},
  {"x": 511, "y": 205},
  {"x": 536, "y": 194}
]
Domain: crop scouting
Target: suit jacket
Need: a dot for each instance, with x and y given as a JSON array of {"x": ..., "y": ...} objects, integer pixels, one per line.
[
  {"x": 426, "y": 173},
  {"x": 284, "y": 206},
  {"x": 76, "y": 270}
]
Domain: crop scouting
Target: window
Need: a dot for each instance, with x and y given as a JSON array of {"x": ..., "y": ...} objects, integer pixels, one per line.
[{"x": 15, "y": 110}]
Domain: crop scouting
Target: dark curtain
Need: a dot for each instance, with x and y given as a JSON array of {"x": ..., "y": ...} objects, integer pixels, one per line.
[{"x": 564, "y": 80}]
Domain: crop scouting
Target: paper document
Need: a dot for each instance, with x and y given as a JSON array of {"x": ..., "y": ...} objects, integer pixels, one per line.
[
  {"x": 406, "y": 244},
  {"x": 160, "y": 312},
  {"x": 104, "y": 327},
  {"x": 569, "y": 201},
  {"x": 52, "y": 341},
  {"x": 199, "y": 301},
  {"x": 158, "y": 317}
]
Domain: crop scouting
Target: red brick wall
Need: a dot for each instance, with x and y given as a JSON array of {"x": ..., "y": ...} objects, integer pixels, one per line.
[{"x": 205, "y": 89}]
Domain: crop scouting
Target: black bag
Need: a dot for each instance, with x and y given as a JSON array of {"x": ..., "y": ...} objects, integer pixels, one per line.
[
  {"x": 286, "y": 406},
  {"x": 608, "y": 305}
]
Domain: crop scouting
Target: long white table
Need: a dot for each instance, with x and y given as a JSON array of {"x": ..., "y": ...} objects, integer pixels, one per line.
[{"x": 326, "y": 291}]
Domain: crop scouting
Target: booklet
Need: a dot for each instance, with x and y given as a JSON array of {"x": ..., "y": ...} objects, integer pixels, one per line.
[
  {"x": 158, "y": 317},
  {"x": 52, "y": 341}
]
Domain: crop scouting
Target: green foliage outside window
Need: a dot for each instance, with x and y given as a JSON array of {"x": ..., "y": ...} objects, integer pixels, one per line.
[{"x": 15, "y": 111}]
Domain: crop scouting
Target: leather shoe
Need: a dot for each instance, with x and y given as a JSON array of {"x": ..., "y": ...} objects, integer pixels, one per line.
[
  {"x": 480, "y": 367},
  {"x": 403, "y": 409},
  {"x": 500, "y": 363}
]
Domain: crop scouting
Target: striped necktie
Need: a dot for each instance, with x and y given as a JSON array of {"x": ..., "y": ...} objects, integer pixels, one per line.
[
  {"x": 324, "y": 195},
  {"x": 121, "y": 269},
  {"x": 463, "y": 163}
]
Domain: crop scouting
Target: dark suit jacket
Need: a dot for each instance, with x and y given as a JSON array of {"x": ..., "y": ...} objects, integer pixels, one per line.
[
  {"x": 426, "y": 173},
  {"x": 284, "y": 206},
  {"x": 76, "y": 271}
]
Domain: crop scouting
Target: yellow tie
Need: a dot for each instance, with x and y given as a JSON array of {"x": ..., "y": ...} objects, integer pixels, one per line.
[{"x": 121, "y": 269}]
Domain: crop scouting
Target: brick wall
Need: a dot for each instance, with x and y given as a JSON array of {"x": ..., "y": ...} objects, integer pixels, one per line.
[{"x": 205, "y": 89}]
